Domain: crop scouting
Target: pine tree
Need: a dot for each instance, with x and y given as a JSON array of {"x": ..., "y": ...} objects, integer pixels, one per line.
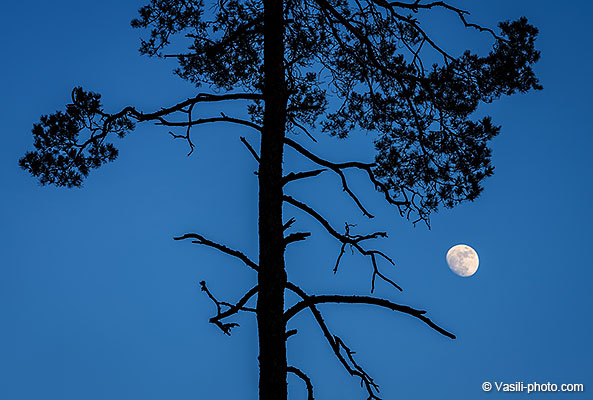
[{"x": 299, "y": 65}]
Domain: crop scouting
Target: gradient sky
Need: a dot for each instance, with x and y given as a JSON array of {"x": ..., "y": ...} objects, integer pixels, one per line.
[{"x": 98, "y": 302}]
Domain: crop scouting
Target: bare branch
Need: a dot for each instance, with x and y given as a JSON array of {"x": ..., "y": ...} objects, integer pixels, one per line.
[
  {"x": 291, "y": 332},
  {"x": 187, "y": 136},
  {"x": 338, "y": 167},
  {"x": 199, "y": 98},
  {"x": 250, "y": 148},
  {"x": 288, "y": 224},
  {"x": 342, "y": 251},
  {"x": 324, "y": 163},
  {"x": 318, "y": 217},
  {"x": 301, "y": 127},
  {"x": 350, "y": 240},
  {"x": 199, "y": 239},
  {"x": 336, "y": 345},
  {"x": 296, "y": 237},
  {"x": 301, "y": 175},
  {"x": 334, "y": 168},
  {"x": 184, "y": 106},
  {"x": 305, "y": 379},
  {"x": 343, "y": 299},
  {"x": 202, "y": 121},
  {"x": 232, "y": 309},
  {"x": 367, "y": 380}
]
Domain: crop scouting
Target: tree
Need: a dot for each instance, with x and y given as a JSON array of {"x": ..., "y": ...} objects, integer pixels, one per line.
[{"x": 282, "y": 60}]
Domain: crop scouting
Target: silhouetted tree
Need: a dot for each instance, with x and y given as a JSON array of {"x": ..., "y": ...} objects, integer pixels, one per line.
[{"x": 282, "y": 60}]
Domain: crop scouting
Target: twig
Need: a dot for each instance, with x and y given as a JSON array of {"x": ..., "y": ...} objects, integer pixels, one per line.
[
  {"x": 251, "y": 149},
  {"x": 232, "y": 309},
  {"x": 351, "y": 240}
]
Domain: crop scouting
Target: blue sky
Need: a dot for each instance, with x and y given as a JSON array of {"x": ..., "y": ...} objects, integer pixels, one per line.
[{"x": 98, "y": 302}]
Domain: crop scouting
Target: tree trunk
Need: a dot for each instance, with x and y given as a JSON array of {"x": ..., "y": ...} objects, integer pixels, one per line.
[{"x": 272, "y": 274}]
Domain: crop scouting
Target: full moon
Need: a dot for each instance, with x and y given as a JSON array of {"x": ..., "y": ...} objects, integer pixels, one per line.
[{"x": 463, "y": 260}]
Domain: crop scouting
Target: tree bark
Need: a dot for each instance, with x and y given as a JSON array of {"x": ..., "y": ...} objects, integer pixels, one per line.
[{"x": 272, "y": 273}]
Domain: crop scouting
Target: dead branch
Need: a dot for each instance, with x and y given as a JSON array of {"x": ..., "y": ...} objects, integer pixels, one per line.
[
  {"x": 350, "y": 240},
  {"x": 231, "y": 309},
  {"x": 336, "y": 345},
  {"x": 250, "y": 148},
  {"x": 345, "y": 299},
  {"x": 288, "y": 223},
  {"x": 199, "y": 239},
  {"x": 305, "y": 379},
  {"x": 338, "y": 169},
  {"x": 301, "y": 127},
  {"x": 202, "y": 121},
  {"x": 296, "y": 237},
  {"x": 293, "y": 176},
  {"x": 291, "y": 332}
]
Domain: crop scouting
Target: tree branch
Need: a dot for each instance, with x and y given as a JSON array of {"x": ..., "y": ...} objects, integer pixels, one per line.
[
  {"x": 288, "y": 224},
  {"x": 301, "y": 127},
  {"x": 232, "y": 309},
  {"x": 351, "y": 240},
  {"x": 296, "y": 237},
  {"x": 338, "y": 167},
  {"x": 305, "y": 379},
  {"x": 139, "y": 116},
  {"x": 336, "y": 345},
  {"x": 344, "y": 299},
  {"x": 199, "y": 239},
  {"x": 460, "y": 13},
  {"x": 201, "y": 121},
  {"x": 187, "y": 136},
  {"x": 365, "y": 42},
  {"x": 250, "y": 148},
  {"x": 291, "y": 332},
  {"x": 199, "y": 98},
  {"x": 300, "y": 175},
  {"x": 204, "y": 98}
]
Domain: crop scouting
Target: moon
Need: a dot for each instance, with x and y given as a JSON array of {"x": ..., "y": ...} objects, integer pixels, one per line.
[{"x": 463, "y": 260}]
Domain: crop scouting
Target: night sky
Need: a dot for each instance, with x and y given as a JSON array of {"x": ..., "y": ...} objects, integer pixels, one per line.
[{"x": 98, "y": 302}]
